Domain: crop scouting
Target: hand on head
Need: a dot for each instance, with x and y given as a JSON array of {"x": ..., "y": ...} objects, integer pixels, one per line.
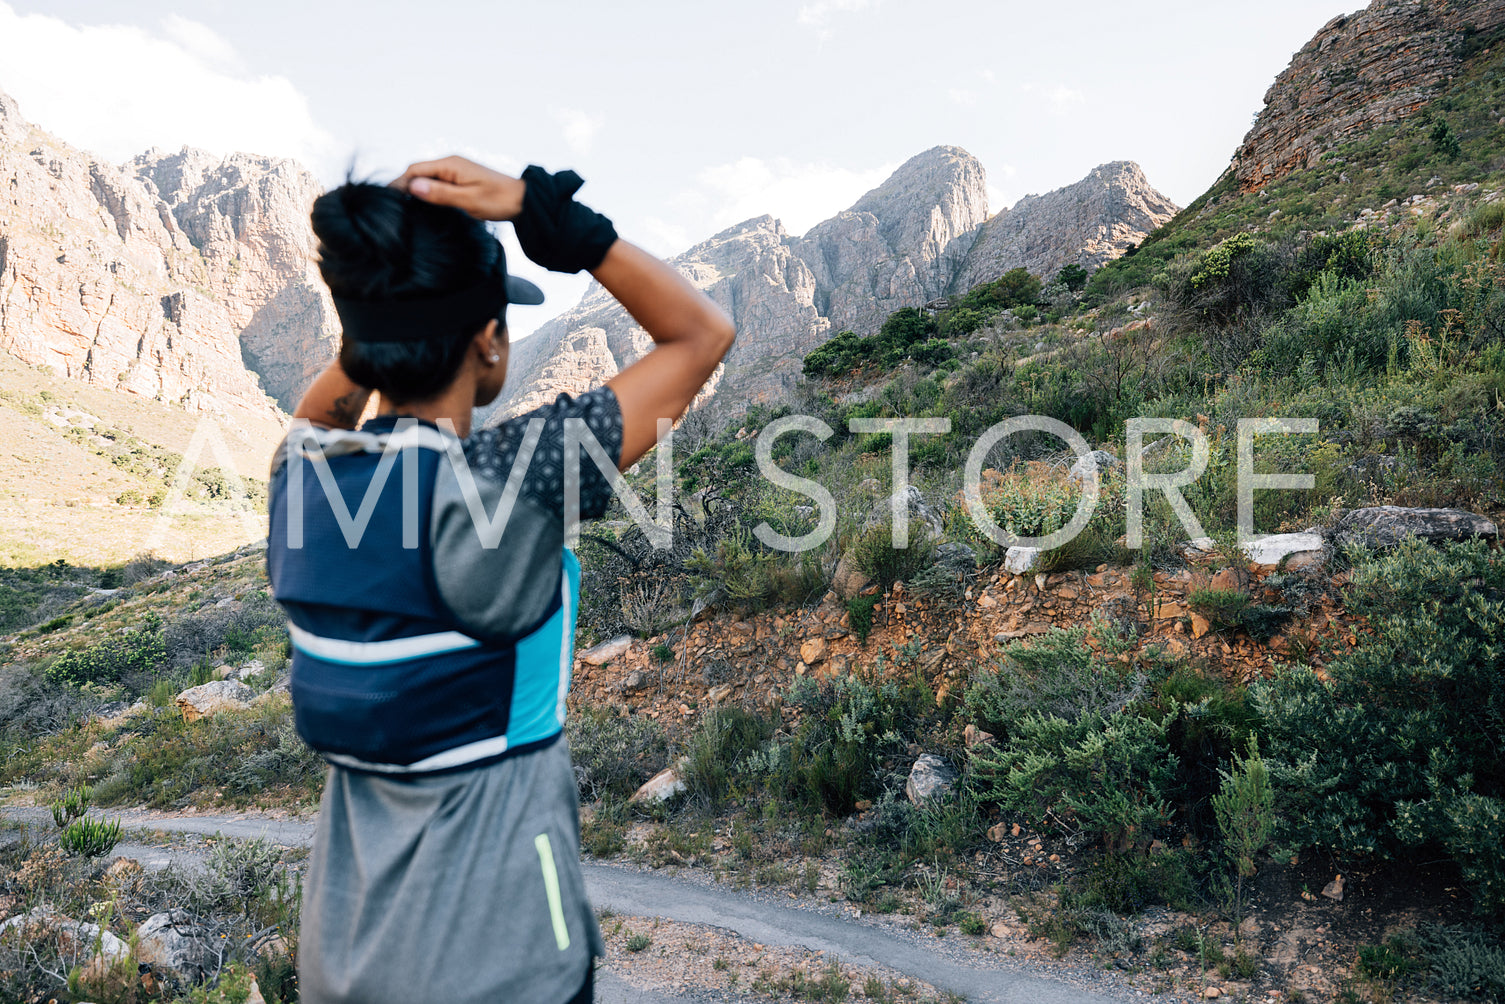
[{"x": 455, "y": 181}]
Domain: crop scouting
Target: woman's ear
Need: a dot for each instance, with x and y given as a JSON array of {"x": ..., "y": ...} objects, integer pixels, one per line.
[{"x": 491, "y": 343}]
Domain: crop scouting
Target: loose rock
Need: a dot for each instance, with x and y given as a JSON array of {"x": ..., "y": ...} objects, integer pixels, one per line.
[
  {"x": 1387, "y": 525},
  {"x": 603, "y": 653},
  {"x": 214, "y": 697},
  {"x": 661, "y": 787},
  {"x": 931, "y": 778}
]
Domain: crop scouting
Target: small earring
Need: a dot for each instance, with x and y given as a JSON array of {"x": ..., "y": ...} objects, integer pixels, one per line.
[{"x": 496, "y": 359}]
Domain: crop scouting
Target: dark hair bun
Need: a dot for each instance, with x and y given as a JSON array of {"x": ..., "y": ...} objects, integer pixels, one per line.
[{"x": 377, "y": 243}]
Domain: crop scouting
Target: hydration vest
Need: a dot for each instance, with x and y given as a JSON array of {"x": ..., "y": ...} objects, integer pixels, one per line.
[{"x": 416, "y": 647}]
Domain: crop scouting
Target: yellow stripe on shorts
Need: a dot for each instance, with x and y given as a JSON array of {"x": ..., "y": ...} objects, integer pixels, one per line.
[{"x": 551, "y": 886}]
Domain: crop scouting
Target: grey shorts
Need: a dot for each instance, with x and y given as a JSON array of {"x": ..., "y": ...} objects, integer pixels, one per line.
[{"x": 462, "y": 887}]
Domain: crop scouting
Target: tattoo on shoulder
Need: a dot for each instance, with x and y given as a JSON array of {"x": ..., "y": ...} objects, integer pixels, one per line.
[{"x": 347, "y": 409}]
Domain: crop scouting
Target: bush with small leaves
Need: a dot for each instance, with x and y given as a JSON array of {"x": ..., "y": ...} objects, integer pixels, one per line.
[
  {"x": 1104, "y": 775},
  {"x": 1398, "y": 746}
]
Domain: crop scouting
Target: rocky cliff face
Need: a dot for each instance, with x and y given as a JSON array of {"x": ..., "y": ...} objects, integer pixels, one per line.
[
  {"x": 1089, "y": 223},
  {"x": 178, "y": 277},
  {"x": 921, "y": 234},
  {"x": 900, "y": 244},
  {"x": 1360, "y": 71}
]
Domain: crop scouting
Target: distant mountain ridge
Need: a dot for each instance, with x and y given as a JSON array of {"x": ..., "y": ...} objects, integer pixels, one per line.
[
  {"x": 922, "y": 234},
  {"x": 184, "y": 277}
]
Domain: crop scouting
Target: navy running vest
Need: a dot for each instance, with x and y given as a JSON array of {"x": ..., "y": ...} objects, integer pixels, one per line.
[{"x": 416, "y": 648}]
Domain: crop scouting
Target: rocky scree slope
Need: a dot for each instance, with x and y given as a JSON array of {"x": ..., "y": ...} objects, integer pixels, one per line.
[
  {"x": 184, "y": 277},
  {"x": 1379, "y": 65},
  {"x": 923, "y": 234}
]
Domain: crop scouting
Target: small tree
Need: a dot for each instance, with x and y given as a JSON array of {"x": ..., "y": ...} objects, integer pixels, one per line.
[
  {"x": 1245, "y": 809},
  {"x": 1073, "y": 277}
]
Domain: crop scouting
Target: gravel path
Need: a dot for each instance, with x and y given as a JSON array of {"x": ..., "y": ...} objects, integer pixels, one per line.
[{"x": 762, "y": 917}]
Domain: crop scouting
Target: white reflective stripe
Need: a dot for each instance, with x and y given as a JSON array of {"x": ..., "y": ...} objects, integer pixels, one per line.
[
  {"x": 371, "y": 653},
  {"x": 566, "y": 646},
  {"x": 333, "y": 442},
  {"x": 457, "y": 757}
]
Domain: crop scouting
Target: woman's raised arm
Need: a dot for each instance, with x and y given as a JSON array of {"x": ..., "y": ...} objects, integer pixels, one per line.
[{"x": 690, "y": 332}]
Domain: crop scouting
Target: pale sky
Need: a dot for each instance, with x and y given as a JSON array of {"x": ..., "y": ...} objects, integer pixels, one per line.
[{"x": 683, "y": 118}]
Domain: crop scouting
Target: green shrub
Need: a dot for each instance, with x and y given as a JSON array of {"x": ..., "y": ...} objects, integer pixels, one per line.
[
  {"x": 1223, "y": 608},
  {"x": 723, "y": 739},
  {"x": 162, "y": 761},
  {"x": 860, "y": 613},
  {"x": 1052, "y": 674},
  {"x": 1127, "y": 882},
  {"x": 849, "y": 731},
  {"x": 74, "y": 803},
  {"x": 1104, "y": 775},
  {"x": 1391, "y": 962},
  {"x": 1236, "y": 278},
  {"x": 1464, "y": 962},
  {"x": 139, "y": 653},
  {"x": 89, "y": 836},
  {"x": 614, "y": 755},
  {"x": 878, "y": 559},
  {"x": 637, "y": 942},
  {"x": 1073, "y": 277},
  {"x": 1245, "y": 809},
  {"x": 744, "y": 573},
  {"x": 1399, "y": 746}
]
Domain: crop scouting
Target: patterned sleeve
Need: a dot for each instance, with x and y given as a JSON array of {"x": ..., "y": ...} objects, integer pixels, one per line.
[{"x": 494, "y": 451}]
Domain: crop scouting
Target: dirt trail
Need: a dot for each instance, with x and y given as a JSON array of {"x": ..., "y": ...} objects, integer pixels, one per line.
[{"x": 755, "y": 916}]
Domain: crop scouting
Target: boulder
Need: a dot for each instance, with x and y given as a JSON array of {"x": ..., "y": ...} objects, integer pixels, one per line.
[
  {"x": 253, "y": 668},
  {"x": 1021, "y": 560},
  {"x": 633, "y": 681},
  {"x": 1387, "y": 525},
  {"x": 1098, "y": 461},
  {"x": 1270, "y": 550},
  {"x": 848, "y": 580},
  {"x": 814, "y": 651},
  {"x": 661, "y": 787},
  {"x": 920, "y": 512},
  {"x": 603, "y": 653},
  {"x": 75, "y": 937},
  {"x": 931, "y": 778},
  {"x": 174, "y": 941},
  {"x": 213, "y": 697}
]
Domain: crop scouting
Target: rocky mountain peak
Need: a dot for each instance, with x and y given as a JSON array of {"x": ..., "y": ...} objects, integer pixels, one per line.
[
  {"x": 1087, "y": 223},
  {"x": 12, "y": 126},
  {"x": 902, "y": 244},
  {"x": 1359, "y": 71}
]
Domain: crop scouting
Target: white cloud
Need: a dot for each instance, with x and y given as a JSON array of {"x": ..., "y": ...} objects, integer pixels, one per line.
[
  {"x": 202, "y": 41},
  {"x": 118, "y": 89},
  {"x": 1059, "y": 95},
  {"x": 818, "y": 15},
  {"x": 799, "y": 194},
  {"x": 579, "y": 127},
  {"x": 989, "y": 76},
  {"x": 663, "y": 238},
  {"x": 963, "y": 97}
]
